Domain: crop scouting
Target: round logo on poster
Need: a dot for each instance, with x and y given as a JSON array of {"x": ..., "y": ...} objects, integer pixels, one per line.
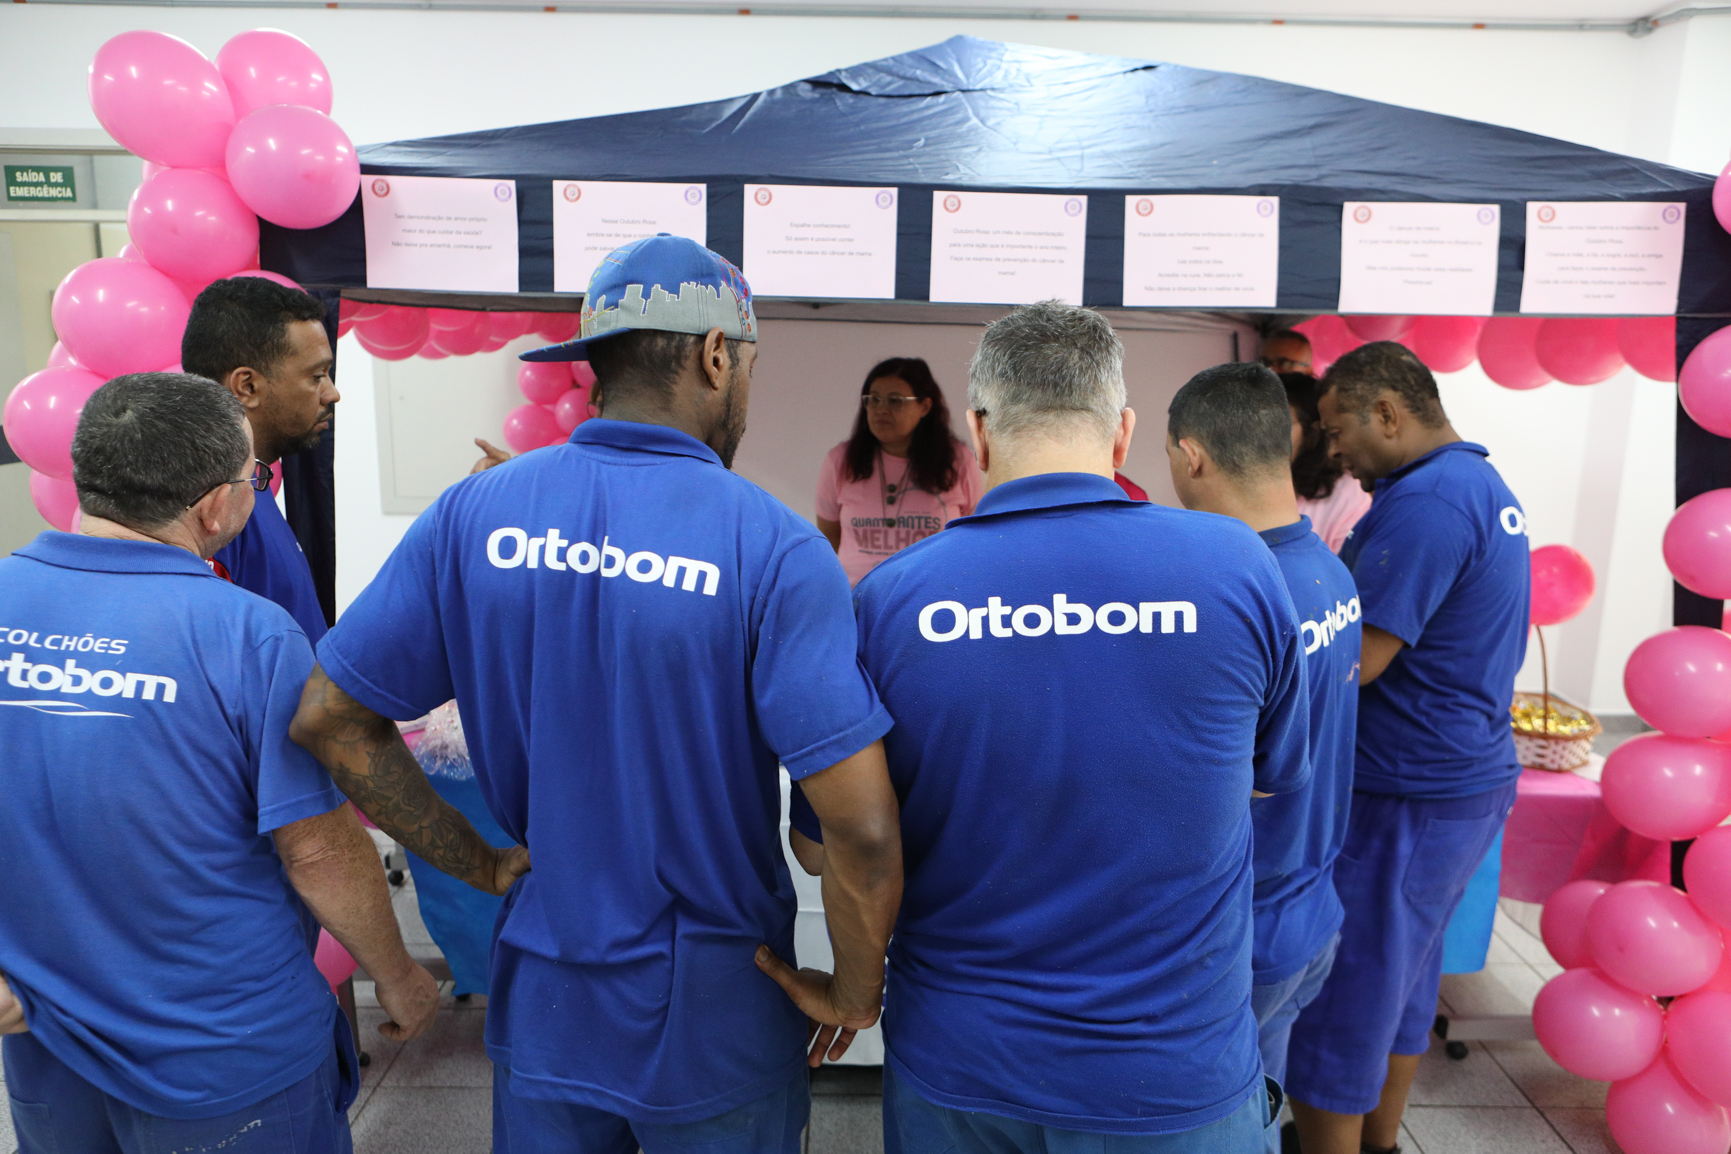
[
  {"x": 1487, "y": 215},
  {"x": 1547, "y": 214},
  {"x": 1672, "y": 214},
  {"x": 1073, "y": 206},
  {"x": 1265, "y": 208},
  {"x": 885, "y": 198},
  {"x": 763, "y": 196},
  {"x": 1144, "y": 207},
  {"x": 502, "y": 191},
  {"x": 573, "y": 192},
  {"x": 952, "y": 203},
  {"x": 1361, "y": 213},
  {"x": 381, "y": 187},
  {"x": 694, "y": 195}
]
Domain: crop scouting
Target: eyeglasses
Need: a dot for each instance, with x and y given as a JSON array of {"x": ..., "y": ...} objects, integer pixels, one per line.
[
  {"x": 260, "y": 481},
  {"x": 1286, "y": 365},
  {"x": 893, "y": 403}
]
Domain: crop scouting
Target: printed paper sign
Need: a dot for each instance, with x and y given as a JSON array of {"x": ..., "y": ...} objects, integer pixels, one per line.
[
  {"x": 591, "y": 218},
  {"x": 1201, "y": 251},
  {"x": 448, "y": 234},
  {"x": 804, "y": 240},
  {"x": 1612, "y": 257},
  {"x": 1419, "y": 258},
  {"x": 1007, "y": 248}
]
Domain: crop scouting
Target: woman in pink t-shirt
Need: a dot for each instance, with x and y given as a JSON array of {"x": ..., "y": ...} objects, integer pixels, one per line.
[
  {"x": 901, "y": 476},
  {"x": 1332, "y": 500}
]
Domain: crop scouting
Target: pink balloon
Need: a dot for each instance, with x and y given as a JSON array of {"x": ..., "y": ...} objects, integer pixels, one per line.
[
  {"x": 266, "y": 274},
  {"x": 191, "y": 226},
  {"x": 1445, "y": 344},
  {"x": 41, "y": 415},
  {"x": 1649, "y": 344},
  {"x": 556, "y": 328},
  {"x": 496, "y": 340},
  {"x": 160, "y": 98},
  {"x": 275, "y": 477},
  {"x": 1698, "y": 544},
  {"x": 1707, "y": 873},
  {"x": 544, "y": 382},
  {"x": 363, "y": 310},
  {"x": 1698, "y": 1040},
  {"x": 571, "y": 410},
  {"x": 1595, "y": 1028},
  {"x": 1562, "y": 584},
  {"x": 1704, "y": 384},
  {"x": 1378, "y": 328},
  {"x": 440, "y": 320},
  {"x": 1722, "y": 198},
  {"x": 1656, "y": 1112},
  {"x": 529, "y": 427},
  {"x": 1649, "y": 937},
  {"x": 431, "y": 352},
  {"x": 130, "y": 251},
  {"x": 1507, "y": 352},
  {"x": 264, "y": 67},
  {"x": 582, "y": 374},
  {"x": 1668, "y": 788},
  {"x": 398, "y": 327},
  {"x": 120, "y": 316},
  {"x": 59, "y": 358},
  {"x": 510, "y": 325},
  {"x": 380, "y": 351},
  {"x": 1579, "y": 350},
  {"x": 55, "y": 499},
  {"x": 1680, "y": 681},
  {"x": 1563, "y": 922},
  {"x": 293, "y": 166},
  {"x": 462, "y": 342}
]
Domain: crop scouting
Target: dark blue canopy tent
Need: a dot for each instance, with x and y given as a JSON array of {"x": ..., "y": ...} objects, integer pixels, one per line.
[{"x": 977, "y": 114}]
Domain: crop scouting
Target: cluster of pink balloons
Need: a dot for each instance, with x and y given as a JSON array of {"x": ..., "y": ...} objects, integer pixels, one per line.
[
  {"x": 558, "y": 393},
  {"x": 1515, "y": 352},
  {"x": 1625, "y": 946}
]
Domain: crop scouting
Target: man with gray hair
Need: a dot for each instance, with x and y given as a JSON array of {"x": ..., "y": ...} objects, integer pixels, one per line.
[
  {"x": 1087, "y": 690},
  {"x": 166, "y": 847}
]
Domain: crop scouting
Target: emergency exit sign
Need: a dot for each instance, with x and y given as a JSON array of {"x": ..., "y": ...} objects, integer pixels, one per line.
[{"x": 34, "y": 182}]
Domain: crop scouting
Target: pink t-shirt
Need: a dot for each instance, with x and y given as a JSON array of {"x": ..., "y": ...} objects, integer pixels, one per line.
[
  {"x": 872, "y": 525},
  {"x": 1334, "y": 516}
]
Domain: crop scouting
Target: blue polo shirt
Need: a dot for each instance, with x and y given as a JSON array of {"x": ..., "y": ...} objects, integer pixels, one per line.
[
  {"x": 1086, "y": 690},
  {"x": 145, "y": 920},
  {"x": 267, "y": 559},
  {"x": 1442, "y": 562},
  {"x": 634, "y": 636},
  {"x": 1298, "y": 835}
]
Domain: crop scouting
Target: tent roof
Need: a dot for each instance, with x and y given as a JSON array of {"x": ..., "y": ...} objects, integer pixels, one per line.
[{"x": 979, "y": 114}]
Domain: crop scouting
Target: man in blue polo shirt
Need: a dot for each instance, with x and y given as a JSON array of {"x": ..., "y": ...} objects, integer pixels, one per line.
[
  {"x": 634, "y": 636},
  {"x": 1228, "y": 440},
  {"x": 266, "y": 344},
  {"x": 1087, "y": 690},
  {"x": 1442, "y": 568},
  {"x": 162, "y": 840}
]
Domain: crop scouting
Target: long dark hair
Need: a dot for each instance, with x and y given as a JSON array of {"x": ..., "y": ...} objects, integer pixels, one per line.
[
  {"x": 932, "y": 451},
  {"x": 1314, "y": 472}
]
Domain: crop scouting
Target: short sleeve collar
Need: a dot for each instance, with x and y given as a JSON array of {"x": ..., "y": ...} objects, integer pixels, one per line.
[{"x": 1049, "y": 490}]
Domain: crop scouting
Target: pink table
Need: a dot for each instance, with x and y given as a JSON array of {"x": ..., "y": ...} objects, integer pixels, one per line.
[{"x": 1560, "y": 831}]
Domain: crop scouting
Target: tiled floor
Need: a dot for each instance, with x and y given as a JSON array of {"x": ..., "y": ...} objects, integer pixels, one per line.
[{"x": 433, "y": 1095}]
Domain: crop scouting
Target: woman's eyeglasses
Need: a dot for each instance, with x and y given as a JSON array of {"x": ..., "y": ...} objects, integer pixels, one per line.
[
  {"x": 894, "y": 404},
  {"x": 260, "y": 481}
]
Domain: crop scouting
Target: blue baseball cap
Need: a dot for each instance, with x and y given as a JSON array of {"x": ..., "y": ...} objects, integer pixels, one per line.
[{"x": 663, "y": 282}]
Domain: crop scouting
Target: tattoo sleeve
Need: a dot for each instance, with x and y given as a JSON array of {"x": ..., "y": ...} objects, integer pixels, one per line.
[{"x": 367, "y": 758}]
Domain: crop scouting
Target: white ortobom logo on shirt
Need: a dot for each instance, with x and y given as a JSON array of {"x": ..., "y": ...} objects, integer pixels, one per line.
[
  {"x": 69, "y": 678},
  {"x": 1319, "y": 633},
  {"x": 1513, "y": 521},
  {"x": 609, "y": 560},
  {"x": 1066, "y": 618}
]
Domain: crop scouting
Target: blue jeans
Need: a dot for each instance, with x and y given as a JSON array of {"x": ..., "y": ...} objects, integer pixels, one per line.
[
  {"x": 913, "y": 1125},
  {"x": 770, "y": 1125},
  {"x": 55, "y": 1111},
  {"x": 1277, "y": 1004}
]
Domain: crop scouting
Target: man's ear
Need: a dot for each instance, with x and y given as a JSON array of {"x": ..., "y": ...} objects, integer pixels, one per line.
[
  {"x": 1388, "y": 416},
  {"x": 714, "y": 360},
  {"x": 1121, "y": 439},
  {"x": 982, "y": 444},
  {"x": 247, "y": 386},
  {"x": 211, "y": 510},
  {"x": 1195, "y": 456}
]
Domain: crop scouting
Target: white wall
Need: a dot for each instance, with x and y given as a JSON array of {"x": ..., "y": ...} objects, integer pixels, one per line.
[{"x": 1592, "y": 466}]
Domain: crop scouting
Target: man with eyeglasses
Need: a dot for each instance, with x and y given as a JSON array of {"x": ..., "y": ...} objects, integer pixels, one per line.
[
  {"x": 266, "y": 344},
  {"x": 168, "y": 852},
  {"x": 1287, "y": 351}
]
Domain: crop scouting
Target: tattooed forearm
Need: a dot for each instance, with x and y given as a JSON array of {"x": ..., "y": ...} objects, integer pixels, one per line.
[{"x": 370, "y": 763}]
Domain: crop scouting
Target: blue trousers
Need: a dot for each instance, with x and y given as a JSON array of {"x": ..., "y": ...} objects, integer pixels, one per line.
[
  {"x": 770, "y": 1125},
  {"x": 913, "y": 1125},
  {"x": 55, "y": 1111},
  {"x": 1277, "y": 1005},
  {"x": 1400, "y": 874}
]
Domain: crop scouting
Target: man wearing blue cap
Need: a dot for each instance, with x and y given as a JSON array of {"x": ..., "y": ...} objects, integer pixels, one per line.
[{"x": 634, "y": 637}]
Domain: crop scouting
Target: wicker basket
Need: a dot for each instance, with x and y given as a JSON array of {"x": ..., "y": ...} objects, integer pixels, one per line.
[{"x": 1559, "y": 753}]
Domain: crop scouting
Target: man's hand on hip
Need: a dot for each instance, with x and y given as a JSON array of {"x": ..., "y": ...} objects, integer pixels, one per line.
[{"x": 11, "y": 1011}]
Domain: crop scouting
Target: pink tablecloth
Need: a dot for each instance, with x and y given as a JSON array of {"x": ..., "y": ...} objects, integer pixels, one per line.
[{"x": 1560, "y": 831}]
